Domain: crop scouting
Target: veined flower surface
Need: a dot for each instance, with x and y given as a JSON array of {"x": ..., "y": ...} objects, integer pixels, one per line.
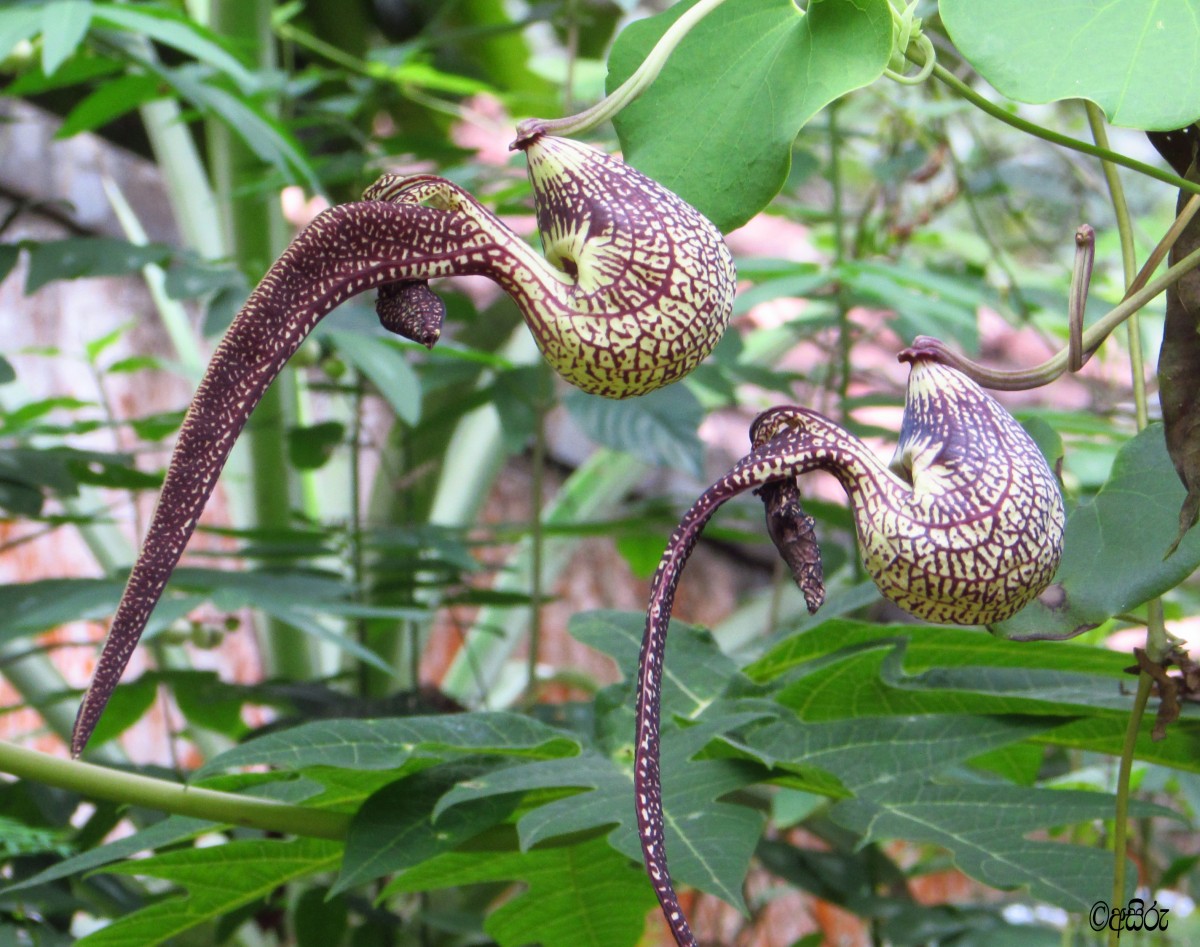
[
  {"x": 965, "y": 526},
  {"x": 635, "y": 290}
]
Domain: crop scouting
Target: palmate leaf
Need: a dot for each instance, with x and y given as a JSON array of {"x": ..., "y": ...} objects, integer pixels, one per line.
[
  {"x": 985, "y": 827},
  {"x": 895, "y": 712},
  {"x": 842, "y": 668},
  {"x": 218, "y": 879},
  {"x": 1125, "y": 57},
  {"x": 710, "y": 841},
  {"x": 926, "y": 648},
  {"x": 898, "y": 770},
  {"x": 583, "y": 895},
  {"x": 717, "y": 125}
]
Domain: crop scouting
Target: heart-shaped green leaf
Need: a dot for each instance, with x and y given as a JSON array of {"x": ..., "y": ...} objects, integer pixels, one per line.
[
  {"x": 1140, "y": 62},
  {"x": 718, "y": 123}
]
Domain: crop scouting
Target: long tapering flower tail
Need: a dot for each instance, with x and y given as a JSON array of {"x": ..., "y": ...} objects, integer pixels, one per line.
[
  {"x": 965, "y": 527},
  {"x": 636, "y": 290}
]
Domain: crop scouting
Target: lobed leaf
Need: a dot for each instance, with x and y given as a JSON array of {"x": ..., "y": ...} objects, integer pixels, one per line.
[
  {"x": 399, "y": 826},
  {"x": 695, "y": 672},
  {"x": 869, "y": 753},
  {"x": 994, "y": 849},
  {"x": 710, "y": 841}
]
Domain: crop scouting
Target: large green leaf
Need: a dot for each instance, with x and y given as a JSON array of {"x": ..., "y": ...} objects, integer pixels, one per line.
[
  {"x": 219, "y": 879},
  {"x": 925, "y": 648},
  {"x": 896, "y": 769},
  {"x": 1113, "y": 550},
  {"x": 1139, "y": 61},
  {"x": 583, "y": 895},
  {"x": 846, "y": 669},
  {"x": 718, "y": 123}
]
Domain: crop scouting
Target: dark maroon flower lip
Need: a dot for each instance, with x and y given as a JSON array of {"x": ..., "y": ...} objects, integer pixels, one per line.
[
  {"x": 964, "y": 527},
  {"x": 634, "y": 291}
]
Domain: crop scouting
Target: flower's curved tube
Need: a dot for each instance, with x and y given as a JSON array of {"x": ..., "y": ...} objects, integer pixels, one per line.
[
  {"x": 634, "y": 291},
  {"x": 964, "y": 527}
]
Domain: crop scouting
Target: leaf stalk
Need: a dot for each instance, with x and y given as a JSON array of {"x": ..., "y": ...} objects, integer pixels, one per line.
[
  {"x": 101, "y": 782},
  {"x": 627, "y": 91}
]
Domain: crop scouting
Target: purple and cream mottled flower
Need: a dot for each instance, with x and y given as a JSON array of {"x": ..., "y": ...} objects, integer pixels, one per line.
[
  {"x": 964, "y": 527},
  {"x": 635, "y": 289}
]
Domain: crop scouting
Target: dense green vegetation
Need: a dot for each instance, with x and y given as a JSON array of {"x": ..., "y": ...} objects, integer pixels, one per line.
[{"x": 376, "y": 809}]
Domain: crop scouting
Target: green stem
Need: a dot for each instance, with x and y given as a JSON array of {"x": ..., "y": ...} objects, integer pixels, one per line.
[
  {"x": 100, "y": 782},
  {"x": 358, "y": 569},
  {"x": 1121, "y": 816},
  {"x": 1155, "y": 611},
  {"x": 1023, "y": 379},
  {"x": 628, "y": 90},
  {"x": 1128, "y": 260},
  {"x": 255, "y": 234},
  {"x": 1075, "y": 144},
  {"x": 536, "y": 546},
  {"x": 839, "y": 254}
]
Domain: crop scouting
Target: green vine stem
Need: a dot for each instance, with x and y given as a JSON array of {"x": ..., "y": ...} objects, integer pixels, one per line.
[
  {"x": 1128, "y": 260},
  {"x": 1026, "y": 378},
  {"x": 1155, "y": 625},
  {"x": 945, "y": 76},
  {"x": 628, "y": 90},
  {"x": 1124, "y": 771},
  {"x": 101, "y": 782}
]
